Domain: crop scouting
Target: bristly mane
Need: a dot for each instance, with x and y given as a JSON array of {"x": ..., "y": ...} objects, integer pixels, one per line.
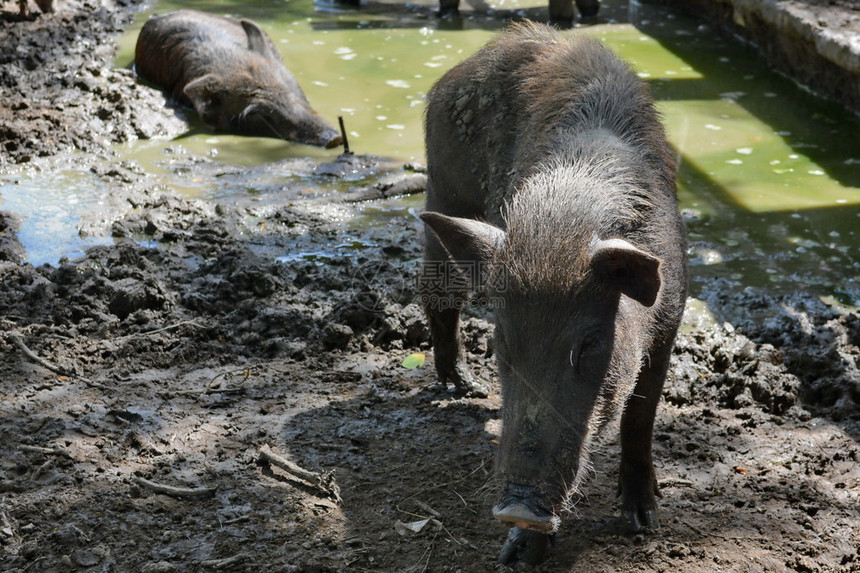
[
  {"x": 598, "y": 158},
  {"x": 569, "y": 201}
]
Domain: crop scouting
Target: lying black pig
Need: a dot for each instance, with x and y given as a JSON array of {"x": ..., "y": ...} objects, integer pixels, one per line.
[
  {"x": 551, "y": 186},
  {"x": 231, "y": 73}
]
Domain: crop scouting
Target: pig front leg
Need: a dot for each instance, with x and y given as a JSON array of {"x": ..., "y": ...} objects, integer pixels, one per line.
[
  {"x": 443, "y": 299},
  {"x": 637, "y": 483},
  {"x": 449, "y": 354}
]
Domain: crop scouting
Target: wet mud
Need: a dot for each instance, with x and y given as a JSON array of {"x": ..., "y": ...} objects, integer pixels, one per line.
[{"x": 143, "y": 383}]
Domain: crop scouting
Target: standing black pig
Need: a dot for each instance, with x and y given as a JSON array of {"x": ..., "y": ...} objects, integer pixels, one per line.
[
  {"x": 231, "y": 73},
  {"x": 552, "y": 186}
]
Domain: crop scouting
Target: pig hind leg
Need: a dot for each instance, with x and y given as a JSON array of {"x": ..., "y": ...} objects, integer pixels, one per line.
[
  {"x": 443, "y": 297},
  {"x": 637, "y": 483}
]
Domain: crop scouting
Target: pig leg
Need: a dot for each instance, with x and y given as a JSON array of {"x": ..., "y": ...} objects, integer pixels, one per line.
[
  {"x": 449, "y": 7},
  {"x": 442, "y": 304},
  {"x": 637, "y": 483},
  {"x": 588, "y": 8},
  {"x": 561, "y": 13}
]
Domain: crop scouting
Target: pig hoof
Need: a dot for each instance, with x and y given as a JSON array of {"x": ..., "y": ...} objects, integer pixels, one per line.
[
  {"x": 524, "y": 546},
  {"x": 561, "y": 23},
  {"x": 642, "y": 520},
  {"x": 464, "y": 384},
  {"x": 588, "y": 9}
]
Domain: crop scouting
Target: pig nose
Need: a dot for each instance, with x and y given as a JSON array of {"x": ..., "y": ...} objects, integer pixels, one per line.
[
  {"x": 522, "y": 506},
  {"x": 334, "y": 141}
]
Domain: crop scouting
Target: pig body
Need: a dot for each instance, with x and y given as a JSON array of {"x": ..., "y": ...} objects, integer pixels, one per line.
[
  {"x": 232, "y": 75},
  {"x": 552, "y": 186}
]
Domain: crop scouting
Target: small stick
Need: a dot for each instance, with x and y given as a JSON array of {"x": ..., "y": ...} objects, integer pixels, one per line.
[
  {"x": 204, "y": 391},
  {"x": 157, "y": 330},
  {"x": 224, "y": 563},
  {"x": 58, "y": 450},
  {"x": 428, "y": 509},
  {"x": 322, "y": 482},
  {"x": 408, "y": 185},
  {"x": 40, "y": 470},
  {"x": 343, "y": 134},
  {"x": 50, "y": 366},
  {"x": 174, "y": 491},
  {"x": 36, "y": 358}
]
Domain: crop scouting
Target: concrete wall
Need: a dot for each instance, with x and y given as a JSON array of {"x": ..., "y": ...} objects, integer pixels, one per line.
[{"x": 817, "y": 42}]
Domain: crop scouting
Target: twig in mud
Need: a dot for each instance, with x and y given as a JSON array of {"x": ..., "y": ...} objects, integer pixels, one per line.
[
  {"x": 203, "y": 391},
  {"x": 174, "y": 491},
  {"x": 40, "y": 470},
  {"x": 16, "y": 340},
  {"x": 225, "y": 563},
  {"x": 58, "y": 450},
  {"x": 240, "y": 519},
  {"x": 427, "y": 553},
  {"x": 36, "y": 358},
  {"x": 343, "y": 134},
  {"x": 157, "y": 330},
  {"x": 324, "y": 483},
  {"x": 245, "y": 372},
  {"x": 428, "y": 509},
  {"x": 407, "y": 185}
]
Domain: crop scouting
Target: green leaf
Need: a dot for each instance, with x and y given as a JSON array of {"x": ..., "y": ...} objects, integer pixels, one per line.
[{"x": 415, "y": 360}]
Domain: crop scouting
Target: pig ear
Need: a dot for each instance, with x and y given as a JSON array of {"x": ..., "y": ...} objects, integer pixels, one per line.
[
  {"x": 204, "y": 95},
  {"x": 256, "y": 38},
  {"x": 465, "y": 239},
  {"x": 632, "y": 271}
]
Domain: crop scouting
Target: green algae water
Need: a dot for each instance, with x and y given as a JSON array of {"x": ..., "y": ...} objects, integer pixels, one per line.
[{"x": 769, "y": 174}]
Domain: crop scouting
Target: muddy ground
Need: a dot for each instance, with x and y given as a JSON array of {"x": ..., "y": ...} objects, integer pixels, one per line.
[{"x": 177, "y": 365}]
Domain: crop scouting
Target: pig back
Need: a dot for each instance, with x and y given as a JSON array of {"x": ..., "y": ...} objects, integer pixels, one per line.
[
  {"x": 564, "y": 120},
  {"x": 494, "y": 119},
  {"x": 176, "y": 48},
  {"x": 471, "y": 128}
]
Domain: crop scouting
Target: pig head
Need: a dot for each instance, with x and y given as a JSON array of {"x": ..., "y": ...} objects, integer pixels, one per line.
[
  {"x": 232, "y": 75},
  {"x": 570, "y": 337}
]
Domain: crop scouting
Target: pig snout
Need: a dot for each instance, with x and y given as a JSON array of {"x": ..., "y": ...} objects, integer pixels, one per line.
[
  {"x": 336, "y": 141},
  {"x": 292, "y": 122},
  {"x": 523, "y": 506},
  {"x": 321, "y": 136},
  {"x": 532, "y": 525},
  {"x": 524, "y": 546},
  {"x": 331, "y": 139}
]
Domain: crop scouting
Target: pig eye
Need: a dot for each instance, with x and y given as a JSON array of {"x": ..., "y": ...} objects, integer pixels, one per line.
[{"x": 588, "y": 345}]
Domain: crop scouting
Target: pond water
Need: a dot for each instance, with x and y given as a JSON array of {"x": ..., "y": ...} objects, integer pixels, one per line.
[{"x": 770, "y": 174}]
